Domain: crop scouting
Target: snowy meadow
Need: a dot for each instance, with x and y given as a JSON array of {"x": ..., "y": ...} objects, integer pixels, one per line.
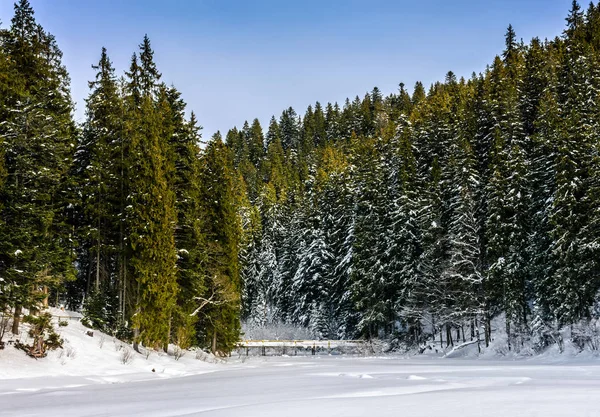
[{"x": 323, "y": 386}]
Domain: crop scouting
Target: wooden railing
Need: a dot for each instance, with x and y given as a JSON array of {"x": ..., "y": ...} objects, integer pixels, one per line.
[{"x": 293, "y": 346}]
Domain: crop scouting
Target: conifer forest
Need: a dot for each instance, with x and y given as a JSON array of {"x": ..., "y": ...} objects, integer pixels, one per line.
[{"x": 424, "y": 214}]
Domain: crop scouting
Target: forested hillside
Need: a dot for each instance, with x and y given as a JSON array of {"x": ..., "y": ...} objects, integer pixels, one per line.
[
  {"x": 403, "y": 216},
  {"x": 434, "y": 211}
]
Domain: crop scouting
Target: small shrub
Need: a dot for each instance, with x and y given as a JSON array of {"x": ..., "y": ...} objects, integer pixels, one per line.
[
  {"x": 178, "y": 353},
  {"x": 206, "y": 357},
  {"x": 71, "y": 352},
  {"x": 54, "y": 341},
  {"x": 118, "y": 344},
  {"x": 147, "y": 353},
  {"x": 545, "y": 334},
  {"x": 201, "y": 355},
  {"x": 586, "y": 334},
  {"x": 123, "y": 332},
  {"x": 63, "y": 323},
  {"x": 127, "y": 356},
  {"x": 43, "y": 334}
]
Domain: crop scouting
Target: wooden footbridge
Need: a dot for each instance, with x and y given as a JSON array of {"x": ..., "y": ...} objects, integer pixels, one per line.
[{"x": 293, "y": 347}]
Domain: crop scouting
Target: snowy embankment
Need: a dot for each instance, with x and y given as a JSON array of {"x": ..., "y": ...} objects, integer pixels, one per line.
[{"x": 98, "y": 358}]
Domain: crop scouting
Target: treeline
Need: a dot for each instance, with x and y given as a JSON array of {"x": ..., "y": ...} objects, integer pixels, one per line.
[
  {"x": 435, "y": 211},
  {"x": 124, "y": 216}
]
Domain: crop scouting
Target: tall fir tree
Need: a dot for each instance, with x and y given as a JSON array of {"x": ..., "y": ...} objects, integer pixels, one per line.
[
  {"x": 219, "y": 320},
  {"x": 150, "y": 211},
  {"x": 39, "y": 139}
]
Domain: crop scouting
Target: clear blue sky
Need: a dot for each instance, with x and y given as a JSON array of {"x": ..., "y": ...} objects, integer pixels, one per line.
[{"x": 237, "y": 60}]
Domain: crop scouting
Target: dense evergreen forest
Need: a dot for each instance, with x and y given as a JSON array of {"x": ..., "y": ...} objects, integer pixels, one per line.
[{"x": 406, "y": 217}]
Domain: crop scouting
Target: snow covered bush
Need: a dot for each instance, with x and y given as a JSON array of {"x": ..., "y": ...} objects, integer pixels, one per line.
[
  {"x": 127, "y": 356},
  {"x": 207, "y": 357},
  {"x": 586, "y": 334},
  {"x": 544, "y": 334},
  {"x": 68, "y": 352},
  {"x": 178, "y": 352}
]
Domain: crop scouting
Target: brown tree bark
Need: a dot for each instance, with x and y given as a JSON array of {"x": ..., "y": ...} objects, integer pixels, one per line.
[
  {"x": 17, "y": 319},
  {"x": 136, "y": 336},
  {"x": 45, "y": 302},
  {"x": 214, "y": 343}
]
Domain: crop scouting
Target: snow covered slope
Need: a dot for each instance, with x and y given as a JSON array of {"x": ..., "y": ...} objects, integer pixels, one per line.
[{"x": 102, "y": 357}]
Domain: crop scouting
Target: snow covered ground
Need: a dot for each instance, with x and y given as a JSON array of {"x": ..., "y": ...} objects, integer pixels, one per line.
[
  {"x": 323, "y": 386},
  {"x": 93, "y": 381}
]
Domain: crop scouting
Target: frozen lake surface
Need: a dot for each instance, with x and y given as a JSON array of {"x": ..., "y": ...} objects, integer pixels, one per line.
[{"x": 323, "y": 386}]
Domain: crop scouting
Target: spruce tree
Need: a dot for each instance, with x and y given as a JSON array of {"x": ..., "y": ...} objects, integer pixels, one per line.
[
  {"x": 335, "y": 202},
  {"x": 98, "y": 174},
  {"x": 184, "y": 137},
  {"x": 150, "y": 210},
  {"x": 289, "y": 129},
  {"x": 218, "y": 325},
  {"x": 405, "y": 244},
  {"x": 368, "y": 282},
  {"x": 39, "y": 138}
]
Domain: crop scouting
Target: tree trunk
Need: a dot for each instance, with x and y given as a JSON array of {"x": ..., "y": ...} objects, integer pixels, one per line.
[
  {"x": 487, "y": 330},
  {"x": 166, "y": 345},
  {"x": 524, "y": 303},
  {"x": 97, "y": 283},
  {"x": 136, "y": 331},
  {"x": 508, "y": 335},
  {"x": 45, "y": 301},
  {"x": 123, "y": 265},
  {"x": 136, "y": 336},
  {"x": 17, "y": 319},
  {"x": 124, "y": 288},
  {"x": 88, "y": 278},
  {"x": 478, "y": 336},
  {"x": 121, "y": 276},
  {"x": 214, "y": 342}
]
